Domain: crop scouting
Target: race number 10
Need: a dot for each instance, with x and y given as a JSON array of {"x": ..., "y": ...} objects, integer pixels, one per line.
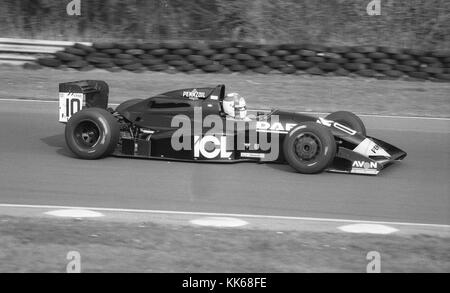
[{"x": 69, "y": 104}]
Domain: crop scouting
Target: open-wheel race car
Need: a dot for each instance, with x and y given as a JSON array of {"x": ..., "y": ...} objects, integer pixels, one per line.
[{"x": 208, "y": 125}]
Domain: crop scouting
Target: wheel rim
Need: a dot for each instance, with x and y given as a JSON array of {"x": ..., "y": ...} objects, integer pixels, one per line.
[
  {"x": 87, "y": 134},
  {"x": 307, "y": 147}
]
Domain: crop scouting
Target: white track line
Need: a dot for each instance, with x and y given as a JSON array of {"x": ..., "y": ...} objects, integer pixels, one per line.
[
  {"x": 28, "y": 100},
  {"x": 386, "y": 116},
  {"x": 223, "y": 215},
  {"x": 303, "y": 112}
]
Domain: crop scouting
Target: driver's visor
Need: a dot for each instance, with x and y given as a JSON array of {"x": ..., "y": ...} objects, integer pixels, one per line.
[{"x": 240, "y": 107}]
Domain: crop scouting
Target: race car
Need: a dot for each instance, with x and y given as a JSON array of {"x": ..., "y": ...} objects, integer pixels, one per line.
[{"x": 206, "y": 124}]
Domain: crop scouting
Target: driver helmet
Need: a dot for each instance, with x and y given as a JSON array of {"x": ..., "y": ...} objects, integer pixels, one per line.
[{"x": 234, "y": 105}]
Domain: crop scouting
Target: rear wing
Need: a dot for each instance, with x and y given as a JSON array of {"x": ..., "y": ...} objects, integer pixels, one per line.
[{"x": 76, "y": 95}]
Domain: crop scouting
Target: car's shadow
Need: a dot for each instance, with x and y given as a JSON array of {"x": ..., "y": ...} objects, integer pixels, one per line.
[
  {"x": 58, "y": 141},
  {"x": 280, "y": 167}
]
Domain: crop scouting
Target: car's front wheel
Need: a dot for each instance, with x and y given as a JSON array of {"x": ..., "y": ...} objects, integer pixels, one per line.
[
  {"x": 309, "y": 148},
  {"x": 348, "y": 119},
  {"x": 92, "y": 133}
]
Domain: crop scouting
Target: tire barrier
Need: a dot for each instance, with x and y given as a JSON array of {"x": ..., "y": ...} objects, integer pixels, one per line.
[
  {"x": 23, "y": 51},
  {"x": 226, "y": 57}
]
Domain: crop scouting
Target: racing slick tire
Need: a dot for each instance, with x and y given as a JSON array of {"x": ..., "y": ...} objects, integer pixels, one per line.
[
  {"x": 92, "y": 133},
  {"x": 309, "y": 148},
  {"x": 348, "y": 119}
]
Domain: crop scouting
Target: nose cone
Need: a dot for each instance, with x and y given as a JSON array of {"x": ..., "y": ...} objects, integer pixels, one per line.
[{"x": 369, "y": 148}]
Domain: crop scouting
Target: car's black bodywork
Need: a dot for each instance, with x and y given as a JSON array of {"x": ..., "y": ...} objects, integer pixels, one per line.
[{"x": 147, "y": 129}]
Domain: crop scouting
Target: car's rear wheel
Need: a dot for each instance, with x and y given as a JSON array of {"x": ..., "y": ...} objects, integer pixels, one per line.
[
  {"x": 92, "y": 133},
  {"x": 348, "y": 119},
  {"x": 309, "y": 148}
]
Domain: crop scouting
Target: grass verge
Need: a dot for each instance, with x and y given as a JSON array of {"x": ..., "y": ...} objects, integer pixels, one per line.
[{"x": 28, "y": 245}]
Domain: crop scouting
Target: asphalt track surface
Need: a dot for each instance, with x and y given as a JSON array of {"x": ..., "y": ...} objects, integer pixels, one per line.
[{"x": 37, "y": 169}]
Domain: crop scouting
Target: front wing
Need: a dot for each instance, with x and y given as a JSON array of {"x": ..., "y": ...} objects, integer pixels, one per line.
[{"x": 349, "y": 161}]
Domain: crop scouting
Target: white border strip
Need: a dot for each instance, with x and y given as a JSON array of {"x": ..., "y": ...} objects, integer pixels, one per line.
[
  {"x": 224, "y": 215},
  {"x": 40, "y": 42}
]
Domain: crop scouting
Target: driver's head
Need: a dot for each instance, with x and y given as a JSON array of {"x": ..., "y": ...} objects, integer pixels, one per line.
[{"x": 234, "y": 106}]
